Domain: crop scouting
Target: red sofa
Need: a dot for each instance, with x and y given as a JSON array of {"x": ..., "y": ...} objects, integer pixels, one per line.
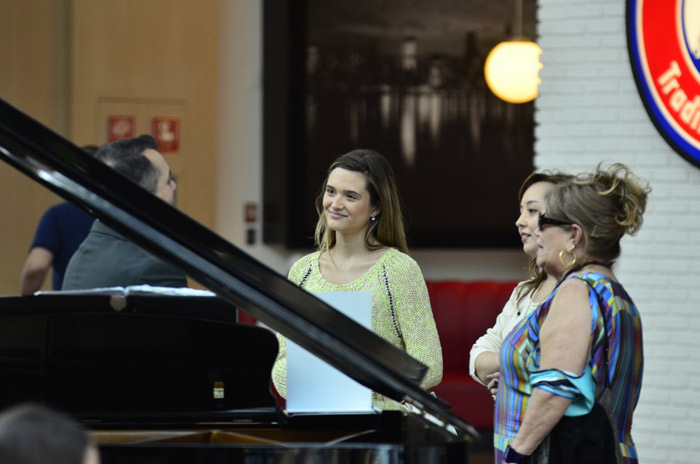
[{"x": 463, "y": 311}]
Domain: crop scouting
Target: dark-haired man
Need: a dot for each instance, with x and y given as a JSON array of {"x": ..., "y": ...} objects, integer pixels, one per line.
[{"x": 106, "y": 258}]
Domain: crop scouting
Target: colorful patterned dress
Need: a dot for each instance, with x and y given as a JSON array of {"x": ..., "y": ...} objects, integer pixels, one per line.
[
  {"x": 401, "y": 313},
  {"x": 612, "y": 313}
]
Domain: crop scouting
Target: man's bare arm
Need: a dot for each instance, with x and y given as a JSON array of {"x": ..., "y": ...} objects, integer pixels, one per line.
[{"x": 36, "y": 267}]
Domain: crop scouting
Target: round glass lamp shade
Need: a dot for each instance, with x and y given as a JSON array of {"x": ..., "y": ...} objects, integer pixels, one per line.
[{"x": 512, "y": 70}]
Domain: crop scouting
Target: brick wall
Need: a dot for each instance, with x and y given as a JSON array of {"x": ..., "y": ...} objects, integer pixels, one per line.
[{"x": 589, "y": 111}]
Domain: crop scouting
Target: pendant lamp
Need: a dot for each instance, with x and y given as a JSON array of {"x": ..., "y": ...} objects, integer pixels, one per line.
[{"x": 512, "y": 67}]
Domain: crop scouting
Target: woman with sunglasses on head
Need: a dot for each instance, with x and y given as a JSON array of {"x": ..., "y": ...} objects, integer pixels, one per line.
[
  {"x": 483, "y": 357},
  {"x": 571, "y": 373},
  {"x": 362, "y": 247}
]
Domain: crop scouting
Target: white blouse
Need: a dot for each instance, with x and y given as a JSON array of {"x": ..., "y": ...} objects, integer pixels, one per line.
[{"x": 512, "y": 313}]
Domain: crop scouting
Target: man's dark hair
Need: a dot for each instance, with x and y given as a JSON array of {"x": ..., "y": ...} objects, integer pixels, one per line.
[
  {"x": 34, "y": 434},
  {"x": 126, "y": 157}
]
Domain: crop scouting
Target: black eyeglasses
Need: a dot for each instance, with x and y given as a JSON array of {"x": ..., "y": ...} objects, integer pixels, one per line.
[{"x": 543, "y": 220}]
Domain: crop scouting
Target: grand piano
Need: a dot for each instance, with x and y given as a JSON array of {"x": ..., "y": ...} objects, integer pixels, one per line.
[{"x": 174, "y": 378}]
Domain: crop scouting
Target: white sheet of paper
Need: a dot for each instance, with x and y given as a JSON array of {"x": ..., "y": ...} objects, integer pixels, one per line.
[{"x": 314, "y": 385}]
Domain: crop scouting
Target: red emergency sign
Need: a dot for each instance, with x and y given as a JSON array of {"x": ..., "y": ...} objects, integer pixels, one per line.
[
  {"x": 120, "y": 127},
  {"x": 166, "y": 130}
]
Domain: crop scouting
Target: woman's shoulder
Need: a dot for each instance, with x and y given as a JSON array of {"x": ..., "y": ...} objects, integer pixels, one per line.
[
  {"x": 590, "y": 278},
  {"x": 304, "y": 260},
  {"x": 520, "y": 285},
  {"x": 605, "y": 285},
  {"x": 304, "y": 263},
  {"x": 579, "y": 286},
  {"x": 518, "y": 302},
  {"x": 520, "y": 289},
  {"x": 397, "y": 259},
  {"x": 400, "y": 267}
]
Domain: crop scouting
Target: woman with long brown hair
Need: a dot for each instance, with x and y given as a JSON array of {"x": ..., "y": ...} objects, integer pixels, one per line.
[
  {"x": 362, "y": 247},
  {"x": 483, "y": 357}
]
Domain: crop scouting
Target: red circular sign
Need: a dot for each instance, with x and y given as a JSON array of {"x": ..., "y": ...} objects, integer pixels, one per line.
[{"x": 664, "y": 46}]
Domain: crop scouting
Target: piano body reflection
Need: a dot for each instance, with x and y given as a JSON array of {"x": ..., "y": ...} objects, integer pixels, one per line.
[{"x": 175, "y": 378}]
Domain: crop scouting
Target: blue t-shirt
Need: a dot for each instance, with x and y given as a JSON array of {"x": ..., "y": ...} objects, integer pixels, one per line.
[{"x": 61, "y": 231}]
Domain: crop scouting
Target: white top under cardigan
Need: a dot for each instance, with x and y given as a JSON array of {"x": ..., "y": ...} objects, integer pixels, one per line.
[{"x": 511, "y": 314}]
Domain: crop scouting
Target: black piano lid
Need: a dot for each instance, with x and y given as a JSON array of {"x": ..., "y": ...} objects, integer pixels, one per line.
[{"x": 217, "y": 264}]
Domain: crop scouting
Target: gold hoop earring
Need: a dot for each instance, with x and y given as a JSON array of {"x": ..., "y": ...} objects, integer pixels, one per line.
[{"x": 571, "y": 252}]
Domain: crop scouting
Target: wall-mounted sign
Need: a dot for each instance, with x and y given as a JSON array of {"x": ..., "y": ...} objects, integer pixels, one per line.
[
  {"x": 250, "y": 212},
  {"x": 166, "y": 130},
  {"x": 120, "y": 127},
  {"x": 663, "y": 38}
]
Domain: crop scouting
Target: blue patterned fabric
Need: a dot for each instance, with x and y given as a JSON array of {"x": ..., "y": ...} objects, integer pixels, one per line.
[{"x": 613, "y": 314}]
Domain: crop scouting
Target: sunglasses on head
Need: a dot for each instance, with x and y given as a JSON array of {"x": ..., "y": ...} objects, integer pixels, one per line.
[{"x": 543, "y": 220}]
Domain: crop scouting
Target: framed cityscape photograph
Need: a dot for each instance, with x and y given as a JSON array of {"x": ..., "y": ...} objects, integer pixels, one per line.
[{"x": 405, "y": 79}]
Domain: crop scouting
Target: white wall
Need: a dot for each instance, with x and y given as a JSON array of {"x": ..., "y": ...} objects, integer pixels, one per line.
[
  {"x": 240, "y": 127},
  {"x": 240, "y": 160},
  {"x": 589, "y": 111}
]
